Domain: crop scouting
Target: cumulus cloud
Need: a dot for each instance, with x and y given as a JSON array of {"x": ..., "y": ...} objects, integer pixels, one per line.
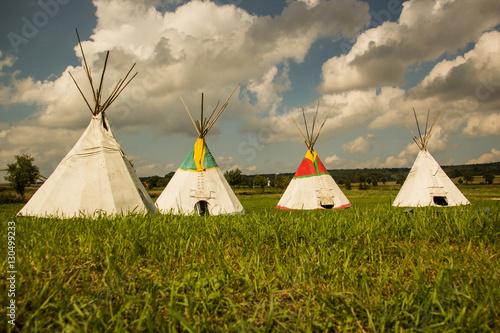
[
  {"x": 425, "y": 30},
  {"x": 481, "y": 125},
  {"x": 311, "y": 3},
  {"x": 391, "y": 106},
  {"x": 183, "y": 49},
  {"x": 476, "y": 74},
  {"x": 361, "y": 145},
  {"x": 230, "y": 163},
  {"x": 333, "y": 161},
  {"x": 353, "y": 109},
  {"x": 494, "y": 156},
  {"x": 186, "y": 48},
  {"x": 403, "y": 159},
  {"x": 7, "y": 61},
  {"x": 269, "y": 88},
  {"x": 47, "y": 145}
]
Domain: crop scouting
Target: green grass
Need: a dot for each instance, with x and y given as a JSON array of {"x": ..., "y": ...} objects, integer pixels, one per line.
[{"x": 369, "y": 268}]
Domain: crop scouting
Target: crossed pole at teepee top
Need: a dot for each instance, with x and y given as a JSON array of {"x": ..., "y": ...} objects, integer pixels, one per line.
[
  {"x": 310, "y": 138},
  {"x": 423, "y": 140}
]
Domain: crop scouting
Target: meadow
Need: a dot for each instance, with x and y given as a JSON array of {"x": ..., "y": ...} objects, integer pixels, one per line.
[{"x": 370, "y": 268}]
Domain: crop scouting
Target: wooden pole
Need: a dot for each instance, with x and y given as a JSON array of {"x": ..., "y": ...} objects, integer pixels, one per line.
[
  {"x": 197, "y": 130},
  {"x": 85, "y": 99},
  {"x": 322, "y": 124}
]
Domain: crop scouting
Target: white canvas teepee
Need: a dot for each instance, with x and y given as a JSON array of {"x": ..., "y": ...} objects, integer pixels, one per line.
[
  {"x": 427, "y": 184},
  {"x": 198, "y": 186},
  {"x": 312, "y": 186},
  {"x": 95, "y": 178}
]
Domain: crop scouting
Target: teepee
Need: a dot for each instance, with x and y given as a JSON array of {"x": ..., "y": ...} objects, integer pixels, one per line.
[
  {"x": 198, "y": 186},
  {"x": 95, "y": 178},
  {"x": 312, "y": 186},
  {"x": 427, "y": 184}
]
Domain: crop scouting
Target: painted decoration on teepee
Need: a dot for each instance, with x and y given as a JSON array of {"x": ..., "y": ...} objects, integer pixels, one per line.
[
  {"x": 311, "y": 165},
  {"x": 199, "y": 159}
]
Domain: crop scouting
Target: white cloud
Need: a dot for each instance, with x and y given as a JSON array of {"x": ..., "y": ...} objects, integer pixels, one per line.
[
  {"x": 199, "y": 47},
  {"x": 426, "y": 29},
  {"x": 207, "y": 47},
  {"x": 311, "y": 3},
  {"x": 225, "y": 161},
  {"x": 333, "y": 161},
  {"x": 481, "y": 125},
  {"x": 404, "y": 159},
  {"x": 230, "y": 163},
  {"x": 155, "y": 169},
  {"x": 494, "y": 156},
  {"x": 361, "y": 145},
  {"x": 47, "y": 146},
  {"x": 269, "y": 88},
  {"x": 7, "y": 61},
  {"x": 353, "y": 109},
  {"x": 246, "y": 170},
  {"x": 475, "y": 75}
]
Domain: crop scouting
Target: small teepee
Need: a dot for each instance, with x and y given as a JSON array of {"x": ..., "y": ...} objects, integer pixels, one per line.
[
  {"x": 95, "y": 178},
  {"x": 198, "y": 186},
  {"x": 312, "y": 186},
  {"x": 427, "y": 184}
]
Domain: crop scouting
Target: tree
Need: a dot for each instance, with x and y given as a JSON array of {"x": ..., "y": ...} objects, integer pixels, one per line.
[
  {"x": 282, "y": 181},
  {"x": 452, "y": 172},
  {"x": 167, "y": 177},
  {"x": 260, "y": 181},
  {"x": 22, "y": 173},
  {"x": 489, "y": 178},
  {"x": 383, "y": 180},
  {"x": 347, "y": 184},
  {"x": 400, "y": 178},
  {"x": 234, "y": 177},
  {"x": 152, "y": 181},
  {"x": 468, "y": 177},
  {"x": 362, "y": 185}
]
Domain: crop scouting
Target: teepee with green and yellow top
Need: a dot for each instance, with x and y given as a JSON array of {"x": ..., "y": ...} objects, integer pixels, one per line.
[
  {"x": 198, "y": 186},
  {"x": 312, "y": 186}
]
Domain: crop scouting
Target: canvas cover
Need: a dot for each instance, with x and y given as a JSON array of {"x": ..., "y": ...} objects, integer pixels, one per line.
[
  {"x": 312, "y": 187},
  {"x": 198, "y": 180},
  {"x": 95, "y": 178},
  {"x": 428, "y": 185}
]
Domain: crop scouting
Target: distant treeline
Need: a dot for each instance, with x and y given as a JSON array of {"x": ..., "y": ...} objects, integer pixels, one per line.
[
  {"x": 367, "y": 175},
  {"x": 399, "y": 174}
]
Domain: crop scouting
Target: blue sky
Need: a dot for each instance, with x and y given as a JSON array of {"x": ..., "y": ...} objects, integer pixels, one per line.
[{"x": 373, "y": 60}]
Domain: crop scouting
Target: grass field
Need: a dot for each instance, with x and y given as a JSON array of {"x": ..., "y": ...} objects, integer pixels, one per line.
[{"x": 370, "y": 268}]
